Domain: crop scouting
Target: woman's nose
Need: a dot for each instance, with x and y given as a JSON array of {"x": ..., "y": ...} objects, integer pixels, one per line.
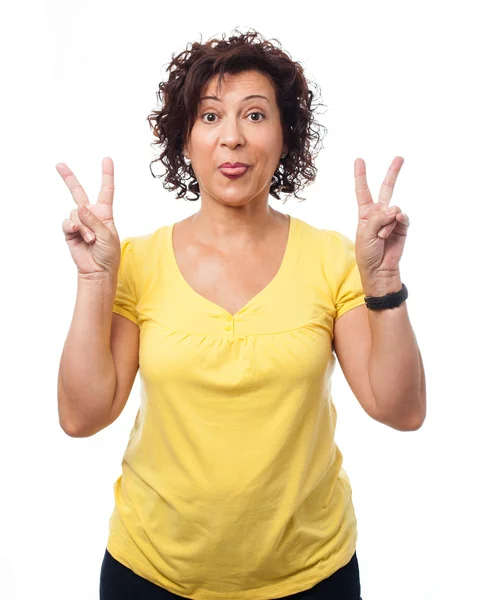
[{"x": 231, "y": 132}]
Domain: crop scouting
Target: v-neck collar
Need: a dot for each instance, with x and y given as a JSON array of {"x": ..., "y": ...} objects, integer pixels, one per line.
[{"x": 286, "y": 260}]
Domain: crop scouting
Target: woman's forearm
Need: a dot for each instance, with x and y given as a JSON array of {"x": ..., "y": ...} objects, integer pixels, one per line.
[
  {"x": 395, "y": 369},
  {"x": 87, "y": 374}
]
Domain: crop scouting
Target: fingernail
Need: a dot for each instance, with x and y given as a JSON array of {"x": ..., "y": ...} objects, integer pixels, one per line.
[
  {"x": 391, "y": 211},
  {"x": 89, "y": 237}
]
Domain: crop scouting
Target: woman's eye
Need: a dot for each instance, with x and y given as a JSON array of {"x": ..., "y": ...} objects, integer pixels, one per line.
[
  {"x": 252, "y": 113},
  {"x": 206, "y": 115}
]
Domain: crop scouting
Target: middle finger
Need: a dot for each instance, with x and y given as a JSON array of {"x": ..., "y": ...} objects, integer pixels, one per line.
[{"x": 388, "y": 184}]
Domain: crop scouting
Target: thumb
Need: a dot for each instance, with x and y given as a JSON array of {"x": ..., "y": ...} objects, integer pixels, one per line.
[
  {"x": 378, "y": 220},
  {"x": 89, "y": 219}
]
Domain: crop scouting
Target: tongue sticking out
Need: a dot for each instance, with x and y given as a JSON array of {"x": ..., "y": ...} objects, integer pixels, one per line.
[{"x": 233, "y": 170}]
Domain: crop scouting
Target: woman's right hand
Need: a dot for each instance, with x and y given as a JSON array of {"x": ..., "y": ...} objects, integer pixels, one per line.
[{"x": 101, "y": 255}]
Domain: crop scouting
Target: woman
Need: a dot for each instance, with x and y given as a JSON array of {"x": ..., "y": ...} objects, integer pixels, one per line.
[{"x": 232, "y": 486}]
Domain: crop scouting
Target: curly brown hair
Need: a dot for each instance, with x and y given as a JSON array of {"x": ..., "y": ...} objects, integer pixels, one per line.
[{"x": 189, "y": 72}]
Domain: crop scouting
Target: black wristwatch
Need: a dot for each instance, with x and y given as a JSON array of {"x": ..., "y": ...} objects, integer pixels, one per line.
[{"x": 391, "y": 300}]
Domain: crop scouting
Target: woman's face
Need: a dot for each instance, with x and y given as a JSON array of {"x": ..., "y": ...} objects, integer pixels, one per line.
[{"x": 234, "y": 129}]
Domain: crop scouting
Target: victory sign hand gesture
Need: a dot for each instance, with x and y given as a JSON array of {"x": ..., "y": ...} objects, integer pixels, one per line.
[{"x": 90, "y": 232}]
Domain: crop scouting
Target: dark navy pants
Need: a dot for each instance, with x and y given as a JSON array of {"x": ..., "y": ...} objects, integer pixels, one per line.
[{"x": 120, "y": 583}]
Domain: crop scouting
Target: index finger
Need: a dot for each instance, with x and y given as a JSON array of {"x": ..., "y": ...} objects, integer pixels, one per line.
[
  {"x": 363, "y": 194},
  {"x": 77, "y": 191},
  {"x": 107, "y": 185}
]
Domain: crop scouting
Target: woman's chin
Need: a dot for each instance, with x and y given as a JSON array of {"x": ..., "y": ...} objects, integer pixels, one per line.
[{"x": 232, "y": 197}]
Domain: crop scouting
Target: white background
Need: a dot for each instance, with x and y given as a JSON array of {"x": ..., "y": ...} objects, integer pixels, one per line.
[{"x": 398, "y": 79}]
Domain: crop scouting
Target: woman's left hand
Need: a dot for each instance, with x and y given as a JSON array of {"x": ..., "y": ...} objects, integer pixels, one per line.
[{"x": 380, "y": 238}]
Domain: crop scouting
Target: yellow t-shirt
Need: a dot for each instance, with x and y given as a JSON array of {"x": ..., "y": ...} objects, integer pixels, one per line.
[{"x": 232, "y": 485}]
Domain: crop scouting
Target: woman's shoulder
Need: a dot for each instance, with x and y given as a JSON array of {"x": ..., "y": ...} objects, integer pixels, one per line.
[
  {"x": 147, "y": 241},
  {"x": 328, "y": 235},
  {"x": 316, "y": 232}
]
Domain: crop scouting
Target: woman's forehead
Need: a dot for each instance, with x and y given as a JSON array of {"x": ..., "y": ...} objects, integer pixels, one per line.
[{"x": 252, "y": 82}]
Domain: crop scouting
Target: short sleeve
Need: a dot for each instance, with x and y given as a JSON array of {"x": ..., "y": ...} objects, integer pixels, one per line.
[
  {"x": 342, "y": 273},
  {"x": 125, "y": 301}
]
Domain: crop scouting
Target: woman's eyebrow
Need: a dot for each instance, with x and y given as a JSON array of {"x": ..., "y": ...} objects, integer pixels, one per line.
[{"x": 243, "y": 99}]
